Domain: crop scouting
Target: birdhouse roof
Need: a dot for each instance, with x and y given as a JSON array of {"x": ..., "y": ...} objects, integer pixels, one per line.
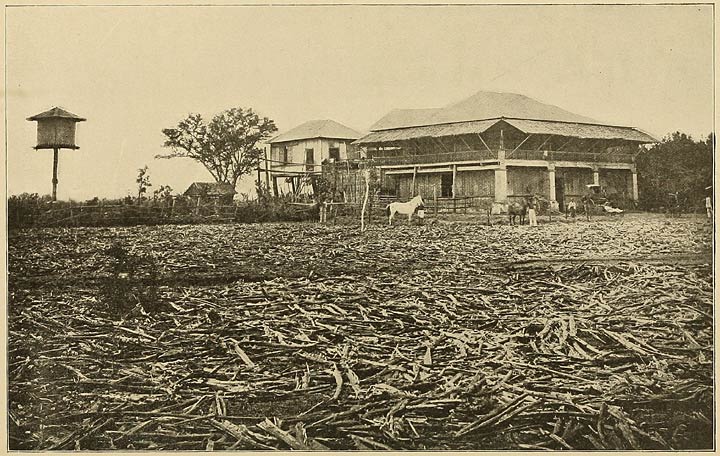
[{"x": 55, "y": 113}]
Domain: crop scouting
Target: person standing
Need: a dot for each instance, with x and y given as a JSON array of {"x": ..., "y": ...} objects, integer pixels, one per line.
[
  {"x": 532, "y": 213},
  {"x": 708, "y": 206},
  {"x": 571, "y": 208}
]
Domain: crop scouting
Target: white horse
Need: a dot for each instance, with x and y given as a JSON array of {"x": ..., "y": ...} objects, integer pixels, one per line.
[{"x": 404, "y": 208}]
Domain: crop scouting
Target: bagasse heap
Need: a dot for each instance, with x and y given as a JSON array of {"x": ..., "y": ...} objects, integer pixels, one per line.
[{"x": 441, "y": 337}]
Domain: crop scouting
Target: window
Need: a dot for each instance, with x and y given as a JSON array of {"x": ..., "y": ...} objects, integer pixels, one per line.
[
  {"x": 335, "y": 153},
  {"x": 285, "y": 155},
  {"x": 309, "y": 159}
]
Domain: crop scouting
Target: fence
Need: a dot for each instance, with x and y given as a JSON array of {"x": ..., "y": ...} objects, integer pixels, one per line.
[{"x": 142, "y": 214}]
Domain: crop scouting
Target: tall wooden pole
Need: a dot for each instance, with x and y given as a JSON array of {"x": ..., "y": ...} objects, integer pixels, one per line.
[
  {"x": 267, "y": 171},
  {"x": 55, "y": 179},
  {"x": 366, "y": 175}
]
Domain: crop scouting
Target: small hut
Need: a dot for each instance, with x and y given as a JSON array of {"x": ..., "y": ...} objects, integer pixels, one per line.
[{"x": 218, "y": 193}]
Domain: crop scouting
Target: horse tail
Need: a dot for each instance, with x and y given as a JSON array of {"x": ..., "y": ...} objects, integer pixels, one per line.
[{"x": 387, "y": 210}]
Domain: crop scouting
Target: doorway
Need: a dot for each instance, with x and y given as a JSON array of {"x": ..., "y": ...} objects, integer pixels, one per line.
[
  {"x": 446, "y": 184},
  {"x": 560, "y": 193}
]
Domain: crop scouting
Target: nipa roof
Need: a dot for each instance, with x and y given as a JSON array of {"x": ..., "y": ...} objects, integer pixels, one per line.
[
  {"x": 482, "y": 105},
  {"x": 317, "y": 129},
  {"x": 483, "y": 110},
  {"x": 209, "y": 189},
  {"x": 573, "y": 129},
  {"x": 57, "y": 112}
]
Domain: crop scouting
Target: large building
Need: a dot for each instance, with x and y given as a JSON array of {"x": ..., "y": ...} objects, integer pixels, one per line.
[
  {"x": 299, "y": 152},
  {"x": 503, "y": 146}
]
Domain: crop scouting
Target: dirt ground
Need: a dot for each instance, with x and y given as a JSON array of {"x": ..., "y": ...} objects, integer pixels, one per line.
[{"x": 447, "y": 335}]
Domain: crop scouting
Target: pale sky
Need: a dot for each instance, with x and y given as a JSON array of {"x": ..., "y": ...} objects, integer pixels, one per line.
[{"x": 132, "y": 71}]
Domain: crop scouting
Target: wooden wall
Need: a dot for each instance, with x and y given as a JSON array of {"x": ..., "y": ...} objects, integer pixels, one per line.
[
  {"x": 475, "y": 183},
  {"x": 575, "y": 179},
  {"x": 56, "y": 132},
  {"x": 527, "y": 181},
  {"x": 469, "y": 183}
]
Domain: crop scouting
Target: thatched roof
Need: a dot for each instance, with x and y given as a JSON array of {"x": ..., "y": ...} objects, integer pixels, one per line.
[
  {"x": 482, "y": 105},
  {"x": 581, "y": 130},
  {"x": 483, "y": 110},
  {"x": 317, "y": 129},
  {"x": 540, "y": 127},
  {"x": 209, "y": 189},
  {"x": 57, "y": 112}
]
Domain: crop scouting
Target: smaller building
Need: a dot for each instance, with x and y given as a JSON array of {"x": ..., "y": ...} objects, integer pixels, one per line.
[
  {"x": 211, "y": 193},
  {"x": 300, "y": 152}
]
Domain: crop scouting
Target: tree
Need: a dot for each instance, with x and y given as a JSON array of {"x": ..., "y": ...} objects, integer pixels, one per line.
[
  {"x": 678, "y": 164},
  {"x": 143, "y": 181},
  {"x": 228, "y": 145},
  {"x": 164, "y": 192}
]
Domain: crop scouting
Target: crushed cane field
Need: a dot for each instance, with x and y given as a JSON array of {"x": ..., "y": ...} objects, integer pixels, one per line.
[{"x": 586, "y": 335}]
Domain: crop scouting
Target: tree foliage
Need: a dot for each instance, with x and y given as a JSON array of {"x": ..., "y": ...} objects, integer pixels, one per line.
[
  {"x": 143, "y": 181},
  {"x": 227, "y": 145},
  {"x": 678, "y": 164}
]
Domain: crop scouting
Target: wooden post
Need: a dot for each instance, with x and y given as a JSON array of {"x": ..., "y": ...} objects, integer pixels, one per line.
[
  {"x": 55, "y": 179},
  {"x": 267, "y": 171},
  {"x": 435, "y": 201},
  {"x": 413, "y": 188},
  {"x": 366, "y": 175},
  {"x": 370, "y": 210},
  {"x": 259, "y": 181}
]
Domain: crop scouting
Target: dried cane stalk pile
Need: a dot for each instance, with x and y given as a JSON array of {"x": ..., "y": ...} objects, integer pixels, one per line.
[{"x": 308, "y": 337}]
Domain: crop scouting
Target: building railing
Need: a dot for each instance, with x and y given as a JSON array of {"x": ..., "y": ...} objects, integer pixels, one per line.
[
  {"x": 568, "y": 156},
  {"x": 440, "y": 157},
  {"x": 485, "y": 155}
]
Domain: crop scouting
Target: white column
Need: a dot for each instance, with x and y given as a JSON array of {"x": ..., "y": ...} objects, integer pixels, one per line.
[
  {"x": 500, "y": 189},
  {"x": 551, "y": 177},
  {"x": 635, "y": 193},
  {"x": 596, "y": 176},
  {"x": 454, "y": 182}
]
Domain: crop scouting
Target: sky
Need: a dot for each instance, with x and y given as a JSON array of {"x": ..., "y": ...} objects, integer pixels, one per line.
[{"x": 132, "y": 71}]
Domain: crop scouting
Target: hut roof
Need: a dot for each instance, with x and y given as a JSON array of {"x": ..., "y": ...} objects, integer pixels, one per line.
[
  {"x": 317, "y": 129},
  {"x": 57, "y": 112},
  {"x": 484, "y": 109},
  {"x": 209, "y": 189}
]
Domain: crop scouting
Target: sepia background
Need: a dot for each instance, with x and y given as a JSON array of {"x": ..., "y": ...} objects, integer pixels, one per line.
[{"x": 132, "y": 71}]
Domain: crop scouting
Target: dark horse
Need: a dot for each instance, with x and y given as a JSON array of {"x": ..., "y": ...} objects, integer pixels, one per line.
[{"x": 517, "y": 209}]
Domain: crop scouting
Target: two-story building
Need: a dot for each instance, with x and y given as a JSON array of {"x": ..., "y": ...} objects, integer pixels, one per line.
[
  {"x": 300, "y": 152},
  {"x": 501, "y": 146}
]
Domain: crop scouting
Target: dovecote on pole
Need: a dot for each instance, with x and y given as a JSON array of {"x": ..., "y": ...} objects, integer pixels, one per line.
[{"x": 56, "y": 130}]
